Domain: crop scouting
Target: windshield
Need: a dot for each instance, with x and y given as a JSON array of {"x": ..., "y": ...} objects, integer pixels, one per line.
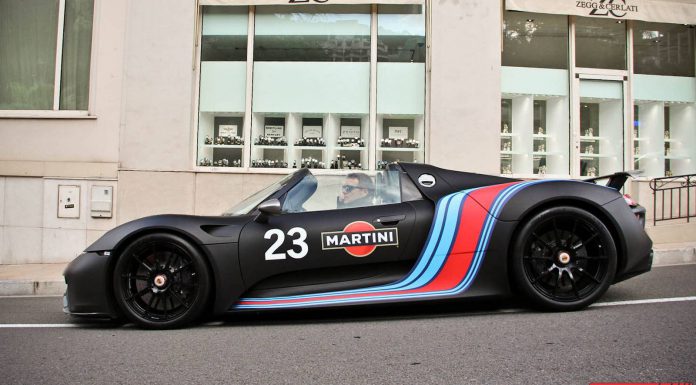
[{"x": 248, "y": 204}]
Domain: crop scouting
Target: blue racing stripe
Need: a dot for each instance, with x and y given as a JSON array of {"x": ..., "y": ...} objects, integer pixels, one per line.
[{"x": 431, "y": 260}]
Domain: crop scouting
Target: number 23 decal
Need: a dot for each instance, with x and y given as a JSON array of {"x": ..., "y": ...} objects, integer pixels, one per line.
[{"x": 301, "y": 233}]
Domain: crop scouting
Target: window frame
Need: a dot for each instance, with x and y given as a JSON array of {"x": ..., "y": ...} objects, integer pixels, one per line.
[
  {"x": 56, "y": 112},
  {"x": 247, "y": 129}
]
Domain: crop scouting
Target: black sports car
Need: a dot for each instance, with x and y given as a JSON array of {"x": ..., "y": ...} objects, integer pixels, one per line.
[{"x": 413, "y": 232}]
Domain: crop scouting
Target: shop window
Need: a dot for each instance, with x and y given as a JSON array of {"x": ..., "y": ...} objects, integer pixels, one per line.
[
  {"x": 316, "y": 34},
  {"x": 534, "y": 135},
  {"x": 664, "y": 139},
  {"x": 535, "y": 40},
  {"x": 535, "y": 116},
  {"x": 663, "y": 49},
  {"x": 311, "y": 87},
  {"x": 222, "y": 99},
  {"x": 400, "y": 84},
  {"x": 600, "y": 43},
  {"x": 601, "y": 127},
  {"x": 28, "y": 46}
]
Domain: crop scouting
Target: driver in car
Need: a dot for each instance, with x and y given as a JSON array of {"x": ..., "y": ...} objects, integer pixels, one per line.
[{"x": 357, "y": 190}]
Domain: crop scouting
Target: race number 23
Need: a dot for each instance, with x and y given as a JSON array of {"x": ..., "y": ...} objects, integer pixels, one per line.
[{"x": 298, "y": 236}]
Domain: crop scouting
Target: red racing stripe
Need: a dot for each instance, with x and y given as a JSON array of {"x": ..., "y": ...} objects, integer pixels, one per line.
[
  {"x": 457, "y": 263},
  {"x": 473, "y": 216}
]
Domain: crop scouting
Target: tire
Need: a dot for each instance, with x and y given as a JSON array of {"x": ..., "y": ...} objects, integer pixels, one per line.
[
  {"x": 161, "y": 281},
  {"x": 563, "y": 259}
]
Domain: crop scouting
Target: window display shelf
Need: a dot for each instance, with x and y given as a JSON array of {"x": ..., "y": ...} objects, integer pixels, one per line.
[
  {"x": 266, "y": 147},
  {"x": 590, "y": 138},
  {"x": 541, "y": 136},
  {"x": 399, "y": 149},
  {"x": 508, "y": 135},
  {"x": 510, "y": 153},
  {"x": 672, "y": 141},
  {"x": 322, "y": 148},
  {"x": 587, "y": 156},
  {"x": 543, "y": 153},
  {"x": 349, "y": 148},
  {"x": 223, "y": 146},
  {"x": 640, "y": 139}
]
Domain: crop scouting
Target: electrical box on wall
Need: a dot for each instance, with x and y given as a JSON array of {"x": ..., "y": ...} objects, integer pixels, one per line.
[
  {"x": 102, "y": 201},
  {"x": 68, "y": 201}
]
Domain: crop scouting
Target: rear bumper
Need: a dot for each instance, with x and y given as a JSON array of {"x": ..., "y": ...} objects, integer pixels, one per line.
[{"x": 88, "y": 293}]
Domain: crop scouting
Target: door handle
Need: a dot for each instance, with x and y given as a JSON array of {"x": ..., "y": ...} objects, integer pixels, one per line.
[{"x": 391, "y": 220}]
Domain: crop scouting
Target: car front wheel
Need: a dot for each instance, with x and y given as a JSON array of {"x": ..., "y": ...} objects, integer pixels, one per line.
[
  {"x": 161, "y": 281},
  {"x": 564, "y": 258}
]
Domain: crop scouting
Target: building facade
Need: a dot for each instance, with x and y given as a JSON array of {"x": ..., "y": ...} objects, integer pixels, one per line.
[{"x": 110, "y": 111}]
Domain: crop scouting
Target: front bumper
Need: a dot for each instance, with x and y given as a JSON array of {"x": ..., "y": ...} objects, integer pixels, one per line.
[{"x": 89, "y": 287}]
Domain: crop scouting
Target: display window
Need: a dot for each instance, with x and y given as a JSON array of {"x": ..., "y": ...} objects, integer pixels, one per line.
[
  {"x": 600, "y": 43},
  {"x": 336, "y": 87},
  {"x": 664, "y": 89},
  {"x": 554, "y": 116},
  {"x": 400, "y": 84},
  {"x": 222, "y": 94},
  {"x": 534, "y": 133},
  {"x": 601, "y": 127},
  {"x": 311, "y": 87}
]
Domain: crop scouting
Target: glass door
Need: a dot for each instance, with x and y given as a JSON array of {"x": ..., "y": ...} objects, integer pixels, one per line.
[{"x": 601, "y": 125}]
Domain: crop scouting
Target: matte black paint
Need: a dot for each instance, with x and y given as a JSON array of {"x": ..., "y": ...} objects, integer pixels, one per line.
[{"x": 235, "y": 246}]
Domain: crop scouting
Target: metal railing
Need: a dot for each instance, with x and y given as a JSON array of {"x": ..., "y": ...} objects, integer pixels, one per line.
[{"x": 671, "y": 190}]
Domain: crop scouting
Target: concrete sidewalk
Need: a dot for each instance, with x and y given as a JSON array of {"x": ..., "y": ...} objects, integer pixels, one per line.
[{"x": 47, "y": 279}]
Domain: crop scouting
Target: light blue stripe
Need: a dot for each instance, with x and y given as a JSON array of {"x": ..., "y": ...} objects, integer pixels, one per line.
[
  {"x": 443, "y": 213},
  {"x": 447, "y": 230},
  {"x": 443, "y": 248}
]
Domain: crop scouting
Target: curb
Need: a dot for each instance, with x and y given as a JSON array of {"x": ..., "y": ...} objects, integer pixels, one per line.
[
  {"x": 674, "y": 256},
  {"x": 27, "y": 287},
  {"x": 663, "y": 257}
]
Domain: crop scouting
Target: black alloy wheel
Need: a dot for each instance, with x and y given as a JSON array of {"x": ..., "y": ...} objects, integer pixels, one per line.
[
  {"x": 161, "y": 281},
  {"x": 564, "y": 258}
]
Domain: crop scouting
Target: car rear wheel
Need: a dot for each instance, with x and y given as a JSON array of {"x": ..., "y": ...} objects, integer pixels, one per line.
[
  {"x": 564, "y": 258},
  {"x": 161, "y": 281}
]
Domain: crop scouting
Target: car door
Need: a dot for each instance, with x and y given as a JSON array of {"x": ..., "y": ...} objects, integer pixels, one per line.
[{"x": 325, "y": 247}]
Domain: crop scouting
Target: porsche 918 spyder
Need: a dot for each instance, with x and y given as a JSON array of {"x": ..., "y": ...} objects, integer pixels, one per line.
[{"x": 413, "y": 232}]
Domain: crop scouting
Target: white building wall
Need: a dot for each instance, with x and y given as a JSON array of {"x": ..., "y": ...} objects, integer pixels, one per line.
[{"x": 465, "y": 85}]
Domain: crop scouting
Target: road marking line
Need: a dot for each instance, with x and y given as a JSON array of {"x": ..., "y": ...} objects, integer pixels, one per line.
[
  {"x": 644, "y": 301},
  {"x": 11, "y": 326},
  {"x": 599, "y": 304}
]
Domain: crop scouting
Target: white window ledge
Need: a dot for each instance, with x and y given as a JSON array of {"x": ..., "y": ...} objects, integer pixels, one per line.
[{"x": 34, "y": 114}]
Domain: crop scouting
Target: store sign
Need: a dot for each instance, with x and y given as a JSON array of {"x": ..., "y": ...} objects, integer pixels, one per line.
[
  {"x": 311, "y": 131},
  {"x": 228, "y": 130},
  {"x": 661, "y": 11},
  {"x": 612, "y": 8},
  {"x": 398, "y": 132},
  {"x": 350, "y": 132},
  {"x": 274, "y": 131}
]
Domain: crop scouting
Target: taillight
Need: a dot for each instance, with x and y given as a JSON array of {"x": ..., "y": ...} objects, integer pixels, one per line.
[{"x": 630, "y": 201}]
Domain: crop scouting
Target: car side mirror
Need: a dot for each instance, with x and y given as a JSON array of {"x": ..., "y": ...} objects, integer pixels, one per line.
[{"x": 268, "y": 208}]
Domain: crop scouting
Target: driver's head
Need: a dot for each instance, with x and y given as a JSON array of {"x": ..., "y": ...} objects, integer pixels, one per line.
[{"x": 356, "y": 186}]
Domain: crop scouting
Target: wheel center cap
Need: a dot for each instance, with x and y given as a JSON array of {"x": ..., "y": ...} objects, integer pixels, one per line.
[
  {"x": 160, "y": 280},
  {"x": 564, "y": 257}
]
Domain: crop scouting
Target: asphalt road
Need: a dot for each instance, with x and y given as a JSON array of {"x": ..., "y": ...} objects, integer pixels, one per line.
[{"x": 452, "y": 343}]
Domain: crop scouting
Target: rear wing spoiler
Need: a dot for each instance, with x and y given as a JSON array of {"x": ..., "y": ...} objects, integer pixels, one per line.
[{"x": 616, "y": 180}]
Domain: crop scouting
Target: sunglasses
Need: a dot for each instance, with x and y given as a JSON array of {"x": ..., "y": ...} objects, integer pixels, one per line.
[{"x": 348, "y": 188}]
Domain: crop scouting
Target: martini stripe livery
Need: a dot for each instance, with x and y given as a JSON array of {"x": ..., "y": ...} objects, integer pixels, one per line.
[{"x": 448, "y": 264}]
